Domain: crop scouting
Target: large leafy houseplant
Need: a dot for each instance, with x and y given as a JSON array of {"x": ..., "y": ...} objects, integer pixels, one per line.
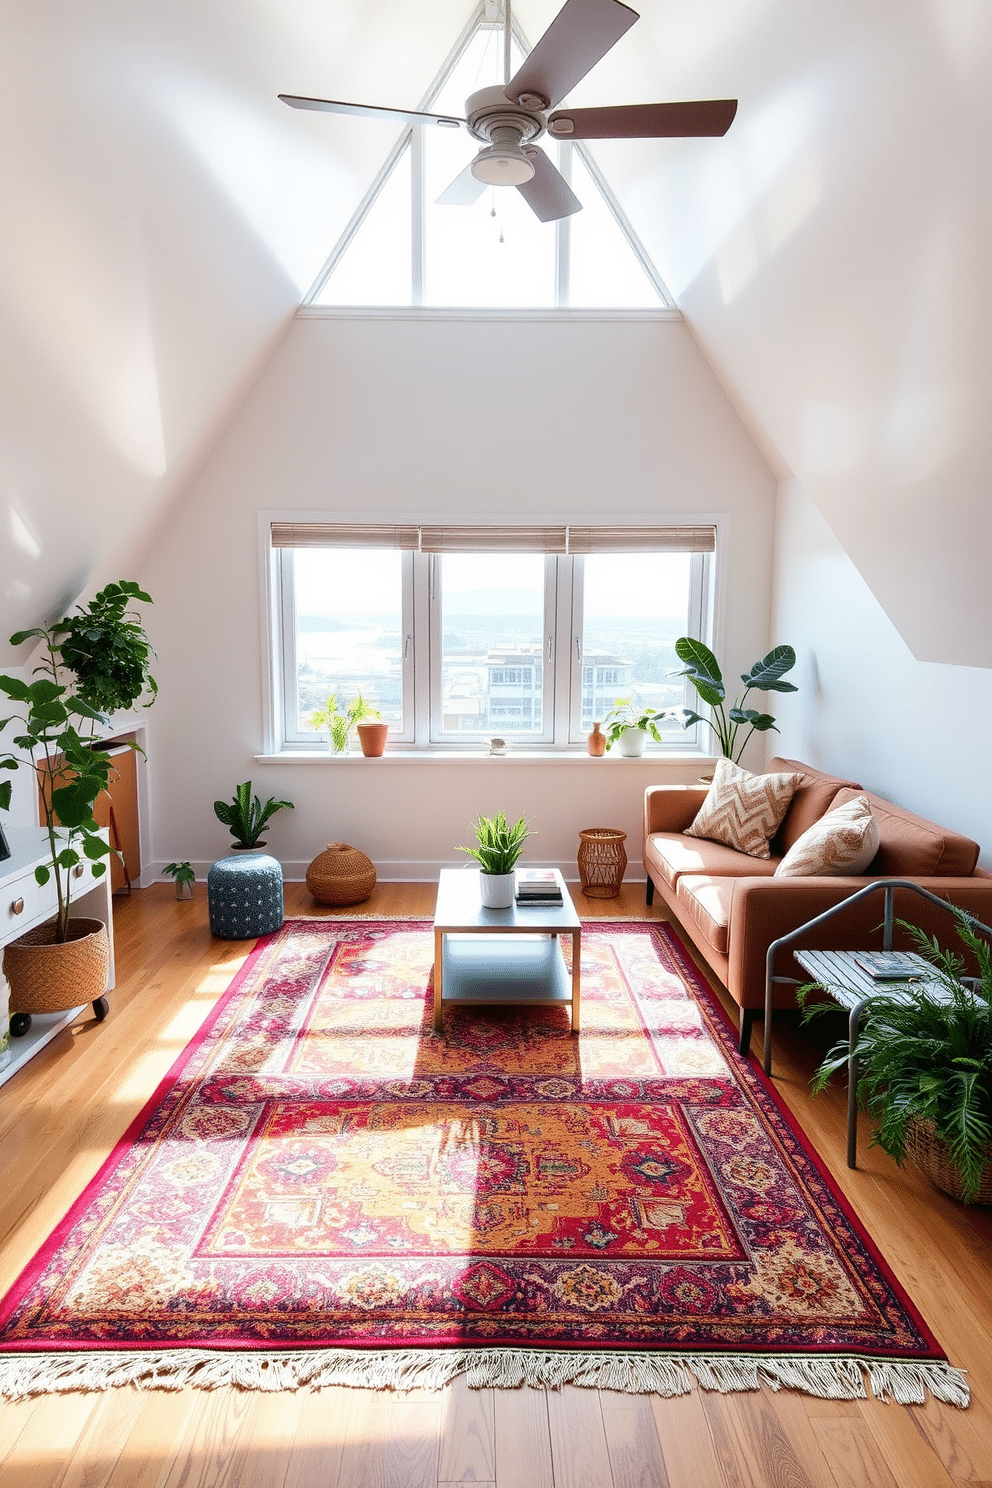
[
  {"x": 926, "y": 1057},
  {"x": 245, "y": 816},
  {"x": 93, "y": 663},
  {"x": 703, "y": 671}
]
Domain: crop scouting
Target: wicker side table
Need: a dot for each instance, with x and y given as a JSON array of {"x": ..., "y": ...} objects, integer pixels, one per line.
[{"x": 601, "y": 860}]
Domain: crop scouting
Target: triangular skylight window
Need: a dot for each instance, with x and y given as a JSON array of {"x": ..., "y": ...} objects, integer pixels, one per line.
[{"x": 402, "y": 247}]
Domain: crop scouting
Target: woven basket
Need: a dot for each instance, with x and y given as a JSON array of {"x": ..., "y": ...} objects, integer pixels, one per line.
[
  {"x": 341, "y": 875},
  {"x": 929, "y": 1153},
  {"x": 602, "y": 860},
  {"x": 47, "y": 976}
]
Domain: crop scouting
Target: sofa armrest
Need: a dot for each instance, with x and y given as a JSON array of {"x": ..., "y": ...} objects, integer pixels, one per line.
[
  {"x": 764, "y": 909},
  {"x": 671, "y": 808}
]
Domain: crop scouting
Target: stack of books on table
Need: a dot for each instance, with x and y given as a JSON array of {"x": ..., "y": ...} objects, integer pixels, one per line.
[{"x": 538, "y": 886}]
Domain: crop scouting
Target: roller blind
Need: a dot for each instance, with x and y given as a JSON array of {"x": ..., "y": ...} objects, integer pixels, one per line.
[{"x": 450, "y": 538}]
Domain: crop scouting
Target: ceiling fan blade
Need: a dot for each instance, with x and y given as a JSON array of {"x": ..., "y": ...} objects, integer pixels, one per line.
[
  {"x": 463, "y": 191},
  {"x": 548, "y": 195},
  {"x": 370, "y": 111},
  {"x": 712, "y": 117},
  {"x": 581, "y": 33}
]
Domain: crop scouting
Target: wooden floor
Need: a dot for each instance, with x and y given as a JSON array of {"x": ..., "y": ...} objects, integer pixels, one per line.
[{"x": 61, "y": 1114}]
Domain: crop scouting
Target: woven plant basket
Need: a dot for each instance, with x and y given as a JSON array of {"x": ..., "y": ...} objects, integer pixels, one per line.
[
  {"x": 341, "y": 875},
  {"x": 47, "y": 976},
  {"x": 602, "y": 860},
  {"x": 929, "y": 1153}
]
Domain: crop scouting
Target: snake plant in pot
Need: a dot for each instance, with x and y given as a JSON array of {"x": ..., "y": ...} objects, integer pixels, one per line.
[
  {"x": 93, "y": 663},
  {"x": 245, "y": 816},
  {"x": 498, "y": 847},
  {"x": 924, "y": 1064}
]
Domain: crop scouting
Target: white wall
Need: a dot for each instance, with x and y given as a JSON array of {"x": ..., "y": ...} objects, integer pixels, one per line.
[
  {"x": 389, "y": 416},
  {"x": 915, "y": 732}
]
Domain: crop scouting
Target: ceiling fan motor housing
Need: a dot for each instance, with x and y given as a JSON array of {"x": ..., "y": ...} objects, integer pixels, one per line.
[{"x": 490, "y": 109}]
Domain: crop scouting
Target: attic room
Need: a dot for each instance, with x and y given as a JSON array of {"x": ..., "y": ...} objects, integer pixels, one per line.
[{"x": 806, "y": 379}]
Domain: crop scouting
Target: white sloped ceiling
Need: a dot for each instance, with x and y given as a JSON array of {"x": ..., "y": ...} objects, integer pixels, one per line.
[{"x": 163, "y": 214}]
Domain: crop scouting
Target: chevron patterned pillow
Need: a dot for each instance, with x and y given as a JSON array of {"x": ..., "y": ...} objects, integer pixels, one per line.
[
  {"x": 843, "y": 841},
  {"x": 744, "y": 810}
]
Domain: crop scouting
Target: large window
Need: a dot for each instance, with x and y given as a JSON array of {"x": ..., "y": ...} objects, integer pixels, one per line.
[{"x": 459, "y": 634}]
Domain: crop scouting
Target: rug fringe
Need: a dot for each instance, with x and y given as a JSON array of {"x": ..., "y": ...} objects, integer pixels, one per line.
[{"x": 833, "y": 1378}]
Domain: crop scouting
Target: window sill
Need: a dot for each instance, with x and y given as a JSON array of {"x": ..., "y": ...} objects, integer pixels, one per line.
[{"x": 481, "y": 756}]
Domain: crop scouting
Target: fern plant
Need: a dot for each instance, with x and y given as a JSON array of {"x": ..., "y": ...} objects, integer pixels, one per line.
[
  {"x": 339, "y": 718},
  {"x": 921, "y": 1056},
  {"x": 498, "y": 845}
]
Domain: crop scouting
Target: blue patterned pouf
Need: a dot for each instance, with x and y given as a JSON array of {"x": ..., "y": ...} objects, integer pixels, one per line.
[{"x": 244, "y": 893}]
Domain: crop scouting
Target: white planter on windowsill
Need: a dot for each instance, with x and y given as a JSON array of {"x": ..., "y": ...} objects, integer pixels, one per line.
[
  {"x": 496, "y": 890},
  {"x": 631, "y": 743}
]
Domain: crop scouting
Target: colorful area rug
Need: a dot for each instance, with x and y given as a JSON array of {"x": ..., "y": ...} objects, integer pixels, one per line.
[{"x": 323, "y": 1191}]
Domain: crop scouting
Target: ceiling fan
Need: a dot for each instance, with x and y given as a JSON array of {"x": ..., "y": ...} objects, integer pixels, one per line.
[{"x": 509, "y": 119}]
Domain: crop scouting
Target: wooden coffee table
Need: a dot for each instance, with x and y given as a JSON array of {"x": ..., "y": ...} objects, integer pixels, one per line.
[{"x": 500, "y": 956}]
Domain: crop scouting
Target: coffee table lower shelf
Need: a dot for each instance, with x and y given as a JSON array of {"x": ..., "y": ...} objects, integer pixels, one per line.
[{"x": 498, "y": 969}]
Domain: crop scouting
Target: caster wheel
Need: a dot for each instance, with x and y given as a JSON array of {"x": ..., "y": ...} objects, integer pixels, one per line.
[
  {"x": 101, "y": 1008},
  {"x": 20, "y": 1024}
]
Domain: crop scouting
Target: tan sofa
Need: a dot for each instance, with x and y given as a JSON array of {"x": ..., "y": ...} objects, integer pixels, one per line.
[{"x": 733, "y": 908}]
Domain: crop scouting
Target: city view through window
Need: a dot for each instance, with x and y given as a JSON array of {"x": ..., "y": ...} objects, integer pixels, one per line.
[{"x": 491, "y": 646}]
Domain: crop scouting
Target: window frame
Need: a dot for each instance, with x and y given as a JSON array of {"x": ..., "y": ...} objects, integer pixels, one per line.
[{"x": 420, "y": 665}]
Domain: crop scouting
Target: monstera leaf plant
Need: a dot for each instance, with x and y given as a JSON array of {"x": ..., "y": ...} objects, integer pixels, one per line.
[{"x": 728, "y": 723}]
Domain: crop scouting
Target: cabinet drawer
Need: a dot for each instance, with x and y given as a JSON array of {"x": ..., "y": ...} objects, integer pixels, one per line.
[{"x": 21, "y": 903}]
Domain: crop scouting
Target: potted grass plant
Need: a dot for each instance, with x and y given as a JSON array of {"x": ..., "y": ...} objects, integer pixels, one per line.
[
  {"x": 93, "y": 663},
  {"x": 498, "y": 847},
  {"x": 924, "y": 1062}
]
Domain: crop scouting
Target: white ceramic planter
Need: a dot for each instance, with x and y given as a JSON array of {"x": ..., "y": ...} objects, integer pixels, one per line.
[
  {"x": 496, "y": 889},
  {"x": 631, "y": 743}
]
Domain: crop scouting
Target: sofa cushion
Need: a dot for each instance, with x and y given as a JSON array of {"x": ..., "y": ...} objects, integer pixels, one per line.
[
  {"x": 670, "y": 854},
  {"x": 705, "y": 902},
  {"x": 911, "y": 847},
  {"x": 843, "y": 841},
  {"x": 813, "y": 796},
  {"x": 743, "y": 810}
]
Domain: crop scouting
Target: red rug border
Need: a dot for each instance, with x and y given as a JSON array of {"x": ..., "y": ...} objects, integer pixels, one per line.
[{"x": 749, "y": 1067}]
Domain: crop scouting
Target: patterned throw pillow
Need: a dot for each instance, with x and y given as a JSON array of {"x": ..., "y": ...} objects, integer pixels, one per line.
[
  {"x": 744, "y": 810},
  {"x": 844, "y": 840}
]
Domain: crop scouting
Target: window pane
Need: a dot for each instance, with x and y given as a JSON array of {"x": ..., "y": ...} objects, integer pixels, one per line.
[
  {"x": 349, "y": 631},
  {"x": 635, "y": 607},
  {"x": 375, "y": 267},
  {"x": 492, "y": 628}
]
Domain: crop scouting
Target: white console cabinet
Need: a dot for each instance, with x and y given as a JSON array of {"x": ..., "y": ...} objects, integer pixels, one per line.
[{"x": 25, "y": 903}]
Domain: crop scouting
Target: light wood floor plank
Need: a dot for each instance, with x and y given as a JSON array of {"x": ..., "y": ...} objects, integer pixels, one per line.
[
  {"x": 687, "y": 1447},
  {"x": 468, "y": 1431},
  {"x": 522, "y": 1439},
  {"x": 579, "y": 1449},
  {"x": 635, "y": 1452}
]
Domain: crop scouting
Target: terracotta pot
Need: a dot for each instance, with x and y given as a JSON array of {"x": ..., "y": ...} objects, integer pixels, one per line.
[
  {"x": 596, "y": 743},
  {"x": 48, "y": 976},
  {"x": 372, "y": 737}
]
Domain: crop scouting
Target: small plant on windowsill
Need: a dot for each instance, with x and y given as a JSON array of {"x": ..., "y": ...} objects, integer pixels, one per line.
[
  {"x": 339, "y": 719},
  {"x": 629, "y": 725},
  {"x": 184, "y": 878}
]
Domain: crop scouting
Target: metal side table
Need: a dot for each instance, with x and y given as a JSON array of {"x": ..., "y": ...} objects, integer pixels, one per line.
[{"x": 843, "y": 978}]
